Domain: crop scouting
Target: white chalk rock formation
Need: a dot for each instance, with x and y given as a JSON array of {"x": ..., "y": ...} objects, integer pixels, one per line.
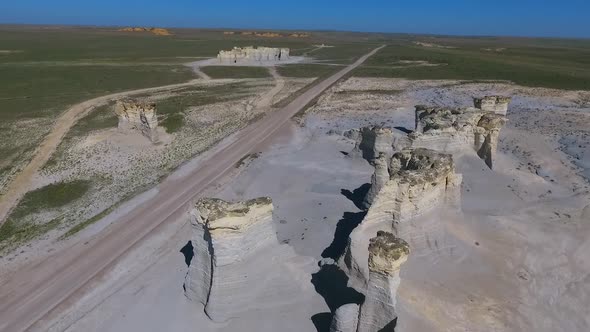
[
  {"x": 378, "y": 179},
  {"x": 225, "y": 237},
  {"x": 419, "y": 181},
  {"x": 345, "y": 318},
  {"x": 451, "y": 130},
  {"x": 371, "y": 141},
  {"x": 386, "y": 255},
  {"x": 140, "y": 116},
  {"x": 249, "y": 53},
  {"x": 496, "y": 104}
]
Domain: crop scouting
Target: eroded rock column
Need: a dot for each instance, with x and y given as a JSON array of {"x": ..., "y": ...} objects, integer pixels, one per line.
[
  {"x": 496, "y": 104},
  {"x": 345, "y": 318},
  {"x": 387, "y": 253},
  {"x": 140, "y": 116},
  {"x": 225, "y": 238}
]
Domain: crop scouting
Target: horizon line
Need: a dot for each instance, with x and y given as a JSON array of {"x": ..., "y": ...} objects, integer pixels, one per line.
[{"x": 297, "y": 30}]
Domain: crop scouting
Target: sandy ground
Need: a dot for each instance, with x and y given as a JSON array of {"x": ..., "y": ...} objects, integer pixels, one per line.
[
  {"x": 43, "y": 289},
  {"x": 513, "y": 258}
]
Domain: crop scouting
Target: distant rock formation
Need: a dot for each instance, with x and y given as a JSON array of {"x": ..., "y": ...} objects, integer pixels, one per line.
[
  {"x": 386, "y": 255},
  {"x": 238, "y": 54},
  {"x": 225, "y": 237},
  {"x": 269, "y": 34},
  {"x": 450, "y": 130},
  {"x": 135, "y": 115},
  {"x": 496, "y": 104},
  {"x": 345, "y": 318},
  {"x": 419, "y": 181},
  {"x": 155, "y": 31}
]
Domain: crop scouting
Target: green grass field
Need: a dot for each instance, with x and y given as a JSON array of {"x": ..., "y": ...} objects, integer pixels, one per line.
[
  {"x": 538, "y": 63},
  {"x": 14, "y": 231}
]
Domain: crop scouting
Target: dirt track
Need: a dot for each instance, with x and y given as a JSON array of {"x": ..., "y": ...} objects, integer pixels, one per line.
[
  {"x": 32, "y": 292},
  {"x": 22, "y": 181}
]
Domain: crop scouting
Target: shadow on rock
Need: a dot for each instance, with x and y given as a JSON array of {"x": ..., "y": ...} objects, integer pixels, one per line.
[
  {"x": 322, "y": 321},
  {"x": 404, "y": 130},
  {"x": 389, "y": 327},
  {"x": 332, "y": 284},
  {"x": 188, "y": 252},
  {"x": 345, "y": 226},
  {"x": 358, "y": 195}
]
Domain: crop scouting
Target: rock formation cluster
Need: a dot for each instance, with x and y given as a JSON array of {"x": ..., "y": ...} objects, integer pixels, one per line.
[
  {"x": 225, "y": 237},
  {"x": 140, "y": 116},
  {"x": 269, "y": 34},
  {"x": 249, "y": 53},
  {"x": 450, "y": 130},
  {"x": 414, "y": 182},
  {"x": 496, "y": 104},
  {"x": 441, "y": 129},
  {"x": 155, "y": 31},
  {"x": 414, "y": 174}
]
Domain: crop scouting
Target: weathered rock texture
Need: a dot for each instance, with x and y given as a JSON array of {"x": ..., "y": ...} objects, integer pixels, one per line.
[
  {"x": 345, "y": 318},
  {"x": 450, "y": 130},
  {"x": 419, "y": 180},
  {"x": 371, "y": 141},
  {"x": 496, "y": 104},
  {"x": 134, "y": 115},
  {"x": 225, "y": 236},
  {"x": 249, "y": 53},
  {"x": 378, "y": 179},
  {"x": 386, "y": 255}
]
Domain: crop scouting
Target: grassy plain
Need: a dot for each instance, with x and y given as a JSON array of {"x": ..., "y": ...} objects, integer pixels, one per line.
[{"x": 561, "y": 64}]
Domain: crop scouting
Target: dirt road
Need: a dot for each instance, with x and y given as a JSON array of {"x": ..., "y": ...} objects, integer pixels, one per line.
[
  {"x": 21, "y": 182},
  {"x": 32, "y": 292}
]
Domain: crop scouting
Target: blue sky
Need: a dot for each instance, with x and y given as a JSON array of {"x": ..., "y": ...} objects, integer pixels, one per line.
[{"x": 568, "y": 18}]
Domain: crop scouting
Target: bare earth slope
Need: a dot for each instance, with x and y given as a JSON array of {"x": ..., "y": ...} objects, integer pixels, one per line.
[{"x": 30, "y": 293}]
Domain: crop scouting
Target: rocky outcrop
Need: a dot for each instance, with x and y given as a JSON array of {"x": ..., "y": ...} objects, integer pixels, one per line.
[
  {"x": 155, "y": 31},
  {"x": 238, "y": 54},
  {"x": 450, "y": 130},
  {"x": 345, "y": 318},
  {"x": 496, "y": 104},
  {"x": 386, "y": 255},
  {"x": 378, "y": 179},
  {"x": 140, "y": 116},
  {"x": 226, "y": 237},
  {"x": 372, "y": 141},
  {"x": 419, "y": 181}
]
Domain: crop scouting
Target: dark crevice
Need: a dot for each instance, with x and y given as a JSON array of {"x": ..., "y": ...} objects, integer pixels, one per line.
[
  {"x": 322, "y": 321},
  {"x": 188, "y": 252},
  {"x": 404, "y": 130},
  {"x": 349, "y": 221}
]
